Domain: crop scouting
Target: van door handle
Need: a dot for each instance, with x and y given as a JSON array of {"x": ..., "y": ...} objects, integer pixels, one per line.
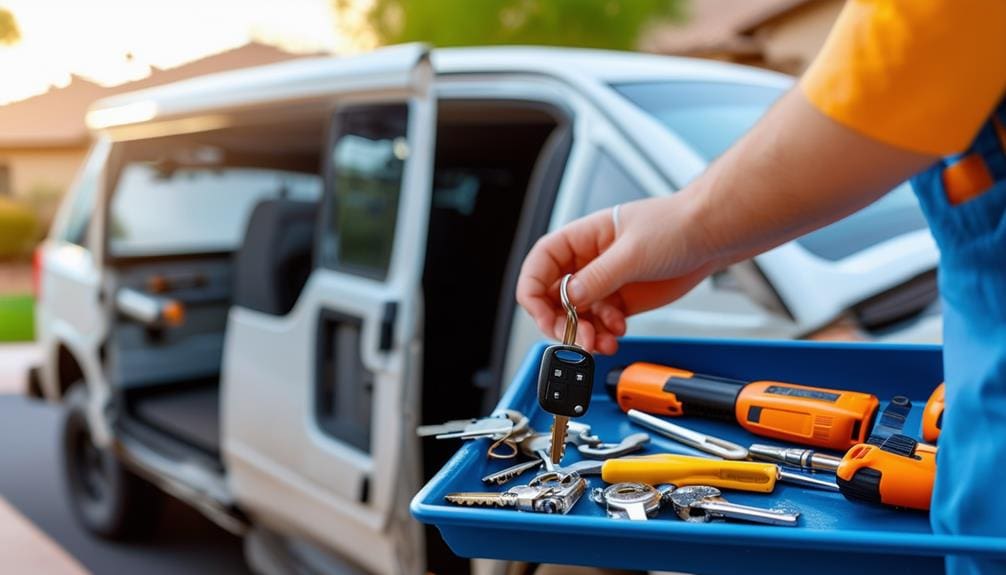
[{"x": 387, "y": 334}]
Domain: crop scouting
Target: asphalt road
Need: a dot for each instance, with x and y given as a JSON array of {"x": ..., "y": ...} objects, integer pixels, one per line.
[{"x": 30, "y": 480}]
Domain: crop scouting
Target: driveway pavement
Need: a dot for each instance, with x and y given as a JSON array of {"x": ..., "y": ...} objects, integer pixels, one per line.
[
  {"x": 15, "y": 359},
  {"x": 38, "y": 533}
]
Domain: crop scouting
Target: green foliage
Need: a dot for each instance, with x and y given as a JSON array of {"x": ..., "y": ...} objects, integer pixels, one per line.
[
  {"x": 10, "y": 33},
  {"x": 18, "y": 228},
  {"x": 17, "y": 318},
  {"x": 611, "y": 24}
]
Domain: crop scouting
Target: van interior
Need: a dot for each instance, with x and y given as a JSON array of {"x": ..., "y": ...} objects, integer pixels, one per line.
[{"x": 497, "y": 169}]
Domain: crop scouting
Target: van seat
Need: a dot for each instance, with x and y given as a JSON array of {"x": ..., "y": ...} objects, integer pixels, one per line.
[{"x": 275, "y": 260}]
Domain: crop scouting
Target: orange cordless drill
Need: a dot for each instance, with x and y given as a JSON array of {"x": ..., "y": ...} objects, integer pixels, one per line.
[
  {"x": 828, "y": 418},
  {"x": 932, "y": 416},
  {"x": 899, "y": 473}
]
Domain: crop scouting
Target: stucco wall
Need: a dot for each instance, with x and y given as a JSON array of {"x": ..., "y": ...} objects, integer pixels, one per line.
[
  {"x": 43, "y": 170},
  {"x": 790, "y": 43}
]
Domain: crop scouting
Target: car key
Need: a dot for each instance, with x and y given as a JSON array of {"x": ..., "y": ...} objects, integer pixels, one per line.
[{"x": 565, "y": 380}]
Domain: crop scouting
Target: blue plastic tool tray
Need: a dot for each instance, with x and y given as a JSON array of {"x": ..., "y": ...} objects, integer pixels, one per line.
[{"x": 834, "y": 535}]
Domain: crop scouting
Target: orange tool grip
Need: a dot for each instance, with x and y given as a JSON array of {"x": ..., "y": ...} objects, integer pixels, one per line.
[
  {"x": 641, "y": 386},
  {"x": 828, "y": 418},
  {"x": 682, "y": 470},
  {"x": 870, "y": 473},
  {"x": 932, "y": 416}
]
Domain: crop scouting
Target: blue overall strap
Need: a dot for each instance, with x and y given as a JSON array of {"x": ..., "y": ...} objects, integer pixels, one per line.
[{"x": 969, "y": 496}]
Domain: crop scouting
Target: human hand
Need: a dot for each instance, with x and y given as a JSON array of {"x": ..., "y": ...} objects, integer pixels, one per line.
[{"x": 650, "y": 262}]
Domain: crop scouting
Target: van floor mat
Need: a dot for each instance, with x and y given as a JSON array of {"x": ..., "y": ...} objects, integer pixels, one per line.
[{"x": 190, "y": 412}]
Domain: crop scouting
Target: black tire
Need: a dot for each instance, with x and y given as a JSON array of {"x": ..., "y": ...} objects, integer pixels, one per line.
[{"x": 107, "y": 499}]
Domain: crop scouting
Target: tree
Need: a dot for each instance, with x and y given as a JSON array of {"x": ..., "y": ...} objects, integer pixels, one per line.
[
  {"x": 612, "y": 24},
  {"x": 9, "y": 31}
]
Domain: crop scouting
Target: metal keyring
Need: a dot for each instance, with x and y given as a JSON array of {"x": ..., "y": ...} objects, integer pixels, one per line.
[{"x": 569, "y": 336}]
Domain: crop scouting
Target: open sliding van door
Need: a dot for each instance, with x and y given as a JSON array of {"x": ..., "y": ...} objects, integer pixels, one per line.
[{"x": 320, "y": 404}]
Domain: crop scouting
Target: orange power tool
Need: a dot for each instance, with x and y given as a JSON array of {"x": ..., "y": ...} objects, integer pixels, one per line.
[
  {"x": 899, "y": 473},
  {"x": 932, "y": 416},
  {"x": 828, "y": 418}
]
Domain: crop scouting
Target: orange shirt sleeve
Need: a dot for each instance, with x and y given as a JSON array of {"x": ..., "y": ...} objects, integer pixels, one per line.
[{"x": 921, "y": 75}]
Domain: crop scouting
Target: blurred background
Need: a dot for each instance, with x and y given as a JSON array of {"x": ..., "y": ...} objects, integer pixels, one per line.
[{"x": 57, "y": 57}]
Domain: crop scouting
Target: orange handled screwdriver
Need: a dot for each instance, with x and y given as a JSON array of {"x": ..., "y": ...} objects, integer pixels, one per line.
[
  {"x": 898, "y": 473},
  {"x": 819, "y": 417},
  {"x": 682, "y": 470}
]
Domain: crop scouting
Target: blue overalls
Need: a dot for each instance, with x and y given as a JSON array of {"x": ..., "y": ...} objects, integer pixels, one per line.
[{"x": 970, "y": 492}]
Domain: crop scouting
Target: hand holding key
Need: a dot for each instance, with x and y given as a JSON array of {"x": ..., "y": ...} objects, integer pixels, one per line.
[{"x": 566, "y": 379}]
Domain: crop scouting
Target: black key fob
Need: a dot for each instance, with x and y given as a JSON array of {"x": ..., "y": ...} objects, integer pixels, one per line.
[{"x": 565, "y": 380}]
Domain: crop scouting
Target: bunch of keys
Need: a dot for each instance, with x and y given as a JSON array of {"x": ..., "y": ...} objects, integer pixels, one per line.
[
  {"x": 566, "y": 378},
  {"x": 552, "y": 492}
]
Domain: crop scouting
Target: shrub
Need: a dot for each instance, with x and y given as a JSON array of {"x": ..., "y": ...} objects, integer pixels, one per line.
[{"x": 18, "y": 229}]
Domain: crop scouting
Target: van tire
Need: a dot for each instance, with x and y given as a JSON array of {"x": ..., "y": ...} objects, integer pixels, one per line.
[{"x": 108, "y": 499}]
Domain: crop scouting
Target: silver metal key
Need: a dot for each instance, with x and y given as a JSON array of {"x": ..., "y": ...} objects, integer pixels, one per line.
[
  {"x": 702, "y": 503},
  {"x": 512, "y": 472},
  {"x": 547, "y": 493},
  {"x": 468, "y": 428}
]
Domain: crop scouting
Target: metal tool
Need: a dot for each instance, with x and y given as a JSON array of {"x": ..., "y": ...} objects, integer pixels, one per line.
[
  {"x": 806, "y": 481},
  {"x": 547, "y": 493},
  {"x": 565, "y": 379},
  {"x": 628, "y": 500},
  {"x": 795, "y": 457},
  {"x": 703, "y": 503},
  {"x": 707, "y": 443},
  {"x": 630, "y": 444}
]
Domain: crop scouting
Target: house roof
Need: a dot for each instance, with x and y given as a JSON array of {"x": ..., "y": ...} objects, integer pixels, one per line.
[
  {"x": 56, "y": 118},
  {"x": 719, "y": 26},
  {"x": 771, "y": 15}
]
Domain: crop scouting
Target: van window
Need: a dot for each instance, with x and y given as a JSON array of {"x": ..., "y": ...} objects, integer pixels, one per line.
[
  {"x": 710, "y": 116},
  {"x": 367, "y": 164},
  {"x": 83, "y": 196},
  {"x": 609, "y": 185},
  {"x": 194, "y": 194}
]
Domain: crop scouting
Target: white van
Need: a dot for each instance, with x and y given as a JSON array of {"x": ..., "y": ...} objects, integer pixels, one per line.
[{"x": 264, "y": 280}]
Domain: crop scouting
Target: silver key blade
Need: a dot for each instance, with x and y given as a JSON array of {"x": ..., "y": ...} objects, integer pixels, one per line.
[
  {"x": 468, "y": 428},
  {"x": 558, "y": 446},
  {"x": 475, "y": 498},
  {"x": 446, "y": 427},
  {"x": 512, "y": 472}
]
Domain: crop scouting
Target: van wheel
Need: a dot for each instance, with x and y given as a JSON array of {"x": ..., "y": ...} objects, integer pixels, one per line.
[{"x": 108, "y": 499}]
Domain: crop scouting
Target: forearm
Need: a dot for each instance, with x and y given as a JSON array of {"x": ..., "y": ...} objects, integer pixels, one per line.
[{"x": 796, "y": 170}]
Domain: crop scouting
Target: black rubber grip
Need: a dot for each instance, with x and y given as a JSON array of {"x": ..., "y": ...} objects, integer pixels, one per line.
[
  {"x": 863, "y": 486},
  {"x": 706, "y": 395}
]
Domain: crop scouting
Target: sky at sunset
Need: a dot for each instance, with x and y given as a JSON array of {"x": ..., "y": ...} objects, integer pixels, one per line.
[{"x": 93, "y": 38}]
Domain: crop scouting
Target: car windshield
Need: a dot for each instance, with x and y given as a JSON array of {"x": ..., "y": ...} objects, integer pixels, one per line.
[{"x": 710, "y": 116}]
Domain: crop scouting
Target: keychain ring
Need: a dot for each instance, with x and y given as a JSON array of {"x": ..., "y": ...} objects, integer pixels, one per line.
[{"x": 569, "y": 336}]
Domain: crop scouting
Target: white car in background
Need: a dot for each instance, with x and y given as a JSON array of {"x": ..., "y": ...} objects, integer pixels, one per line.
[{"x": 264, "y": 280}]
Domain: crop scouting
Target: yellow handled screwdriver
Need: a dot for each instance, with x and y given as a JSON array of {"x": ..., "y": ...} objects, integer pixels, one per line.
[{"x": 683, "y": 470}]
